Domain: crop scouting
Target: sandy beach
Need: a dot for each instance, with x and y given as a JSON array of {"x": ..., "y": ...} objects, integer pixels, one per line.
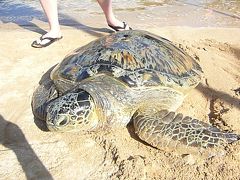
[{"x": 27, "y": 151}]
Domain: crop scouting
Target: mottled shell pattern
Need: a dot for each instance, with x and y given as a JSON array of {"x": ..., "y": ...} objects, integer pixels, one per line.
[{"x": 136, "y": 58}]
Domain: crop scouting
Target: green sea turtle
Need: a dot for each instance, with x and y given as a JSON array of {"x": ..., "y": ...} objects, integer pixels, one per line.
[{"x": 129, "y": 76}]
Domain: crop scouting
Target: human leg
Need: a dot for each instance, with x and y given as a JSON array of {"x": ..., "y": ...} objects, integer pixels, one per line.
[
  {"x": 50, "y": 9},
  {"x": 54, "y": 34}
]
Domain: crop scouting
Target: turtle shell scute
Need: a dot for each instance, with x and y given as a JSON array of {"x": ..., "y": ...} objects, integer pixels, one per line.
[{"x": 136, "y": 58}]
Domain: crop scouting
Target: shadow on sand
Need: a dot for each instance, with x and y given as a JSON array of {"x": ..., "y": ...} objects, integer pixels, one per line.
[
  {"x": 211, "y": 93},
  {"x": 12, "y": 137}
]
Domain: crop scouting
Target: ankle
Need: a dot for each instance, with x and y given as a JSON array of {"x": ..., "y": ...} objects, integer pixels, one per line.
[
  {"x": 53, "y": 34},
  {"x": 114, "y": 22}
]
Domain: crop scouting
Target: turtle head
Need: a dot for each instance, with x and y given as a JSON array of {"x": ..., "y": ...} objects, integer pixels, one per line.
[{"x": 74, "y": 111}]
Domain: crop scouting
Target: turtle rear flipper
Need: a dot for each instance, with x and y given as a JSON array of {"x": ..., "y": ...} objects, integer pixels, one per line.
[{"x": 164, "y": 128}]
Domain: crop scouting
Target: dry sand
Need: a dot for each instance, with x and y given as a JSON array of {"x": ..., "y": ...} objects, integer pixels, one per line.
[{"x": 28, "y": 152}]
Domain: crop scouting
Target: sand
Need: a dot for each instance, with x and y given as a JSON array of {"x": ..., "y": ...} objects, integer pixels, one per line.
[{"x": 27, "y": 152}]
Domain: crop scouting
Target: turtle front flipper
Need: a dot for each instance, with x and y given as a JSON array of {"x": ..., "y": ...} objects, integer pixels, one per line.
[
  {"x": 42, "y": 96},
  {"x": 165, "y": 128}
]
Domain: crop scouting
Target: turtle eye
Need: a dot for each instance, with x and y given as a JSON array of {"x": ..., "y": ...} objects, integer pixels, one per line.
[{"x": 62, "y": 123}]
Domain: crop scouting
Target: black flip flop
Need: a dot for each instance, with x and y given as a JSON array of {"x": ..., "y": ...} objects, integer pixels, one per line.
[
  {"x": 118, "y": 28},
  {"x": 37, "y": 44}
]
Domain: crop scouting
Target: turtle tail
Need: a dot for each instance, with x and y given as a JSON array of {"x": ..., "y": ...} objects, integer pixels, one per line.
[{"x": 164, "y": 127}]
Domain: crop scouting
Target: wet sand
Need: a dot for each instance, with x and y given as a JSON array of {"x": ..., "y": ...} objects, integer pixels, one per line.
[
  {"x": 27, "y": 151},
  {"x": 139, "y": 13}
]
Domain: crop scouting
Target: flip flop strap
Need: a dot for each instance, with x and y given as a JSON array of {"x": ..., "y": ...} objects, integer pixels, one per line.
[
  {"x": 47, "y": 38},
  {"x": 118, "y": 27}
]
